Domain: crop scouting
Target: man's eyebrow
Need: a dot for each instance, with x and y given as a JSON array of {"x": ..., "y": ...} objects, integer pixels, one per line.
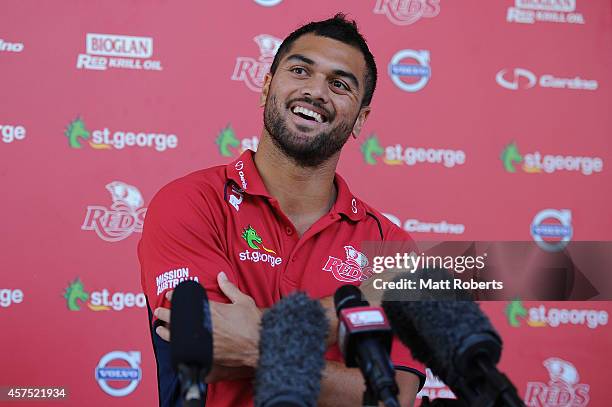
[
  {"x": 302, "y": 58},
  {"x": 337, "y": 72}
]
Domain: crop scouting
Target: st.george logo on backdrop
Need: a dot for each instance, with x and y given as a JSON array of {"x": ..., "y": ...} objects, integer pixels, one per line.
[
  {"x": 124, "y": 217},
  {"x": 10, "y": 133},
  {"x": 398, "y": 154},
  {"x": 543, "y": 316},
  {"x": 78, "y": 136},
  {"x": 538, "y": 163}
]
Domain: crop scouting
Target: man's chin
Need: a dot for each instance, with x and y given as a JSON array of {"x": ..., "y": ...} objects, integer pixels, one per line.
[{"x": 304, "y": 129}]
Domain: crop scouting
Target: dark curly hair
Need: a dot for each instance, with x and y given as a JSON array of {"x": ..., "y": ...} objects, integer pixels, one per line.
[{"x": 340, "y": 29}]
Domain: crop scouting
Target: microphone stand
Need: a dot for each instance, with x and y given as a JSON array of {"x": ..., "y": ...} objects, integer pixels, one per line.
[
  {"x": 369, "y": 398},
  {"x": 439, "y": 402},
  {"x": 192, "y": 388}
]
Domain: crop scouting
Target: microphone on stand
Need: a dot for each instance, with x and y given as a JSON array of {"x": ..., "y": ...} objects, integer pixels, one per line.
[
  {"x": 291, "y": 353},
  {"x": 452, "y": 336},
  {"x": 191, "y": 345},
  {"x": 364, "y": 338}
]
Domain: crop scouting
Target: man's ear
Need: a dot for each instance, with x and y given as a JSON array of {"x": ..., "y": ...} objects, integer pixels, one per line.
[
  {"x": 265, "y": 89},
  {"x": 363, "y": 115}
]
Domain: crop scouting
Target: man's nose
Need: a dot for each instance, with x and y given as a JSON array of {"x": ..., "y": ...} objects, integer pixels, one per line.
[{"x": 316, "y": 88}]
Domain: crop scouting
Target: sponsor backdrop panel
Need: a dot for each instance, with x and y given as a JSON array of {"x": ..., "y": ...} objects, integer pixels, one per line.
[{"x": 490, "y": 122}]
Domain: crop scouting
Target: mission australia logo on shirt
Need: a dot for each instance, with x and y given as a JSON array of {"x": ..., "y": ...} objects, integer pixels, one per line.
[{"x": 259, "y": 252}]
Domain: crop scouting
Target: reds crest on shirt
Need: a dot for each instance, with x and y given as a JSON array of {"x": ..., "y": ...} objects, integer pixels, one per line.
[{"x": 354, "y": 268}]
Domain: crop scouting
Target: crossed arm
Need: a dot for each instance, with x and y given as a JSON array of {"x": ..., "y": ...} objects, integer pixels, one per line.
[{"x": 236, "y": 349}]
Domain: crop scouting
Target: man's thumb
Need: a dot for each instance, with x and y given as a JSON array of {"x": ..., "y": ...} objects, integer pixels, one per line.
[{"x": 228, "y": 288}]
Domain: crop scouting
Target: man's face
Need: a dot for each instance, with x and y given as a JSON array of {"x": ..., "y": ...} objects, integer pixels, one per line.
[{"x": 313, "y": 101}]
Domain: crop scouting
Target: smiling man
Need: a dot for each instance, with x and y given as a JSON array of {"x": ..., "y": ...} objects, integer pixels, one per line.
[{"x": 275, "y": 221}]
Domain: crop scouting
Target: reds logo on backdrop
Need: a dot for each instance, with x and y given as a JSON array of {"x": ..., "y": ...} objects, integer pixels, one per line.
[
  {"x": 252, "y": 71},
  {"x": 435, "y": 388},
  {"x": 354, "y": 268},
  {"x": 406, "y": 12},
  {"x": 563, "y": 388},
  {"x": 124, "y": 217}
]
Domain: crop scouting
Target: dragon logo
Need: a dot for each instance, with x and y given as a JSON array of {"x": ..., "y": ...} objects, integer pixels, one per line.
[
  {"x": 230, "y": 146},
  {"x": 124, "y": 217},
  {"x": 370, "y": 149},
  {"x": 226, "y": 140},
  {"x": 514, "y": 310},
  {"x": 75, "y": 292},
  {"x": 563, "y": 388},
  {"x": 253, "y": 239},
  {"x": 76, "y": 130},
  {"x": 509, "y": 156}
]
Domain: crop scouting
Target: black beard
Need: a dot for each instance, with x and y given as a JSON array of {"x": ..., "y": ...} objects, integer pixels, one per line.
[{"x": 312, "y": 154}]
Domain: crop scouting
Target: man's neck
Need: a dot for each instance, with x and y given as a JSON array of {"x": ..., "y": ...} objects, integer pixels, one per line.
[{"x": 304, "y": 194}]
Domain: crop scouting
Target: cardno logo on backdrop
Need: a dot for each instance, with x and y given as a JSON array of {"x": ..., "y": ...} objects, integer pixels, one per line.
[{"x": 521, "y": 78}]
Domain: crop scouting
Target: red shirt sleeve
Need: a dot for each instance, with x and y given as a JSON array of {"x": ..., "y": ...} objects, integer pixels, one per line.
[{"x": 181, "y": 241}]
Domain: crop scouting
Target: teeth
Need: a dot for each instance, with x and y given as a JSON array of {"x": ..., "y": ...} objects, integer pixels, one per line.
[{"x": 303, "y": 110}]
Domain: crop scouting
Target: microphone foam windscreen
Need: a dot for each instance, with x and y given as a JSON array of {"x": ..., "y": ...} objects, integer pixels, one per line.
[
  {"x": 291, "y": 352},
  {"x": 435, "y": 330},
  {"x": 190, "y": 326}
]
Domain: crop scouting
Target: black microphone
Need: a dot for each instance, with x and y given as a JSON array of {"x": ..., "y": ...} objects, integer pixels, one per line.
[
  {"x": 364, "y": 337},
  {"x": 291, "y": 353},
  {"x": 452, "y": 336},
  {"x": 191, "y": 342}
]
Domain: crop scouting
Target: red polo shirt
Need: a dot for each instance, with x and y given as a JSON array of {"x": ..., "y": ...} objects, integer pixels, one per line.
[{"x": 224, "y": 219}]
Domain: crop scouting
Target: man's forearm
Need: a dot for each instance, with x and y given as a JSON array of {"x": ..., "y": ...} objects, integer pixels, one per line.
[{"x": 341, "y": 386}]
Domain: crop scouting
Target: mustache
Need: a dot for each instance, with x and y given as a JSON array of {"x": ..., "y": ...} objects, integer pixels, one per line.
[{"x": 330, "y": 116}]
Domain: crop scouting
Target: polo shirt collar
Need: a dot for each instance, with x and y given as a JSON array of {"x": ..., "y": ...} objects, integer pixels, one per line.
[
  {"x": 244, "y": 173},
  {"x": 246, "y": 176},
  {"x": 346, "y": 203}
]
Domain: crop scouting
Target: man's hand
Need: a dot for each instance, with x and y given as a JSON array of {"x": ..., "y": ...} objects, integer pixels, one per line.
[{"x": 235, "y": 326}]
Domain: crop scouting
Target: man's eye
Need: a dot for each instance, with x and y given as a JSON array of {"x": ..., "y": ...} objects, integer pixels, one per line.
[
  {"x": 298, "y": 70},
  {"x": 339, "y": 84}
]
